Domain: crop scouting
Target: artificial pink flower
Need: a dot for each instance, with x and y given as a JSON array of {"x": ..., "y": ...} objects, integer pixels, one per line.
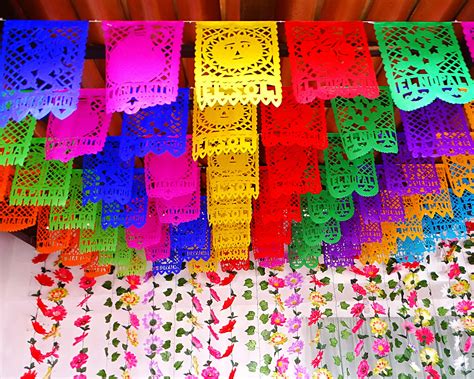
[
  {"x": 214, "y": 352},
  {"x": 196, "y": 343},
  {"x": 82, "y": 321},
  {"x": 86, "y": 282},
  {"x": 424, "y": 336},
  {"x": 358, "y": 347},
  {"x": 363, "y": 369},
  {"x": 80, "y": 338},
  {"x": 214, "y": 294},
  {"x": 277, "y": 319},
  {"x": 314, "y": 317},
  {"x": 57, "y": 313},
  {"x": 433, "y": 374},
  {"x": 357, "y": 288},
  {"x": 215, "y": 320},
  {"x": 276, "y": 282},
  {"x": 197, "y": 304},
  {"x": 358, "y": 325},
  {"x": 371, "y": 271},
  {"x": 130, "y": 359},
  {"x": 213, "y": 333},
  {"x": 408, "y": 327},
  {"x": 381, "y": 347},
  {"x": 282, "y": 365},
  {"x": 378, "y": 308},
  {"x": 412, "y": 297},
  {"x": 134, "y": 321},
  {"x": 454, "y": 271},
  {"x": 317, "y": 360},
  {"x": 464, "y": 306},
  {"x": 79, "y": 376},
  {"x": 210, "y": 373},
  {"x": 79, "y": 360},
  {"x": 83, "y": 301},
  {"x": 357, "y": 309},
  {"x": 468, "y": 345}
]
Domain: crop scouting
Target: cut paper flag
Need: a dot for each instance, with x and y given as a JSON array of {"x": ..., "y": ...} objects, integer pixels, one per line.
[
  {"x": 405, "y": 175},
  {"x": 40, "y": 182},
  {"x": 41, "y": 68},
  {"x": 136, "y": 265},
  {"x": 224, "y": 129},
  {"x": 227, "y": 211},
  {"x": 162, "y": 248},
  {"x": 157, "y": 129},
  {"x": 15, "y": 141},
  {"x": 292, "y": 170},
  {"x": 460, "y": 173},
  {"x": 142, "y": 63},
  {"x": 344, "y": 176},
  {"x": 280, "y": 126},
  {"x": 423, "y": 61},
  {"x": 171, "y": 265},
  {"x": 468, "y": 28},
  {"x": 366, "y": 124},
  {"x": 167, "y": 177},
  {"x": 193, "y": 239},
  {"x": 14, "y": 218},
  {"x": 98, "y": 239},
  {"x": 134, "y": 212},
  {"x": 83, "y": 132},
  {"x": 147, "y": 235},
  {"x": 179, "y": 209},
  {"x": 120, "y": 255},
  {"x": 237, "y": 62},
  {"x": 72, "y": 256},
  {"x": 330, "y": 59},
  {"x": 73, "y": 215},
  {"x": 437, "y": 129},
  {"x": 106, "y": 177},
  {"x": 233, "y": 176},
  {"x": 50, "y": 241}
]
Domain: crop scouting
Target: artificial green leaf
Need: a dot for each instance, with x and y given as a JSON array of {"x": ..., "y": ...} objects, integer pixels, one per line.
[
  {"x": 247, "y": 295},
  {"x": 251, "y": 345},
  {"x": 344, "y": 305},
  {"x": 115, "y": 356},
  {"x": 180, "y": 316},
  {"x": 263, "y": 285},
  {"x": 250, "y": 315},
  {"x": 350, "y": 356},
  {"x": 177, "y": 365},
  {"x": 267, "y": 359},
  {"x": 165, "y": 356},
  {"x": 168, "y": 305},
  {"x": 333, "y": 342},
  {"x": 250, "y": 330},
  {"x": 331, "y": 327},
  {"x": 107, "y": 285},
  {"x": 248, "y": 283},
  {"x": 167, "y": 326},
  {"x": 442, "y": 311},
  {"x": 265, "y": 370},
  {"x": 252, "y": 366},
  {"x": 263, "y": 305},
  {"x": 340, "y": 287},
  {"x": 181, "y": 282},
  {"x": 264, "y": 318}
]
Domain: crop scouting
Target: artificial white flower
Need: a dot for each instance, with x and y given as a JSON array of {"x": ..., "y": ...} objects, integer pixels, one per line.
[
  {"x": 415, "y": 367},
  {"x": 445, "y": 291},
  {"x": 457, "y": 343},
  {"x": 461, "y": 363},
  {"x": 456, "y": 325}
]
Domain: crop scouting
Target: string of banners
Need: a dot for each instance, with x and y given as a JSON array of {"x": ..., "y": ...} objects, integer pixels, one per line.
[{"x": 368, "y": 192}]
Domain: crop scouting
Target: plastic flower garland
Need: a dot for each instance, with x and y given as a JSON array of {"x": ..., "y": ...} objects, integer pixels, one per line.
[{"x": 79, "y": 361}]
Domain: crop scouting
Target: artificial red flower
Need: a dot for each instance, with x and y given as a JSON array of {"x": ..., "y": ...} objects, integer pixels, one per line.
[
  {"x": 454, "y": 271},
  {"x": 228, "y": 279},
  {"x": 86, "y": 282},
  {"x": 29, "y": 375},
  {"x": 411, "y": 265},
  {"x": 214, "y": 294},
  {"x": 317, "y": 282},
  {"x": 57, "y": 313},
  {"x": 371, "y": 271},
  {"x": 133, "y": 281},
  {"x": 228, "y": 302},
  {"x": 36, "y": 354},
  {"x": 314, "y": 317},
  {"x": 357, "y": 270},
  {"x": 317, "y": 360},
  {"x": 42, "y": 306},
  {"x": 228, "y": 328},
  {"x": 232, "y": 373},
  {"x": 82, "y": 321},
  {"x": 38, "y": 328},
  {"x": 228, "y": 351},
  {"x": 213, "y": 277},
  {"x": 40, "y": 258},
  {"x": 433, "y": 374},
  {"x": 357, "y": 288},
  {"x": 44, "y": 280},
  {"x": 63, "y": 274},
  {"x": 424, "y": 335}
]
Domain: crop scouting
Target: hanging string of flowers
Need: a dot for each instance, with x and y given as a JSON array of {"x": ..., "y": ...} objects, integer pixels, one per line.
[
  {"x": 79, "y": 361},
  {"x": 152, "y": 322},
  {"x": 193, "y": 317},
  {"x": 112, "y": 327}
]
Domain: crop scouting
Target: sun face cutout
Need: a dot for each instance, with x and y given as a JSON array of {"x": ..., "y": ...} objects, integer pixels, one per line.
[
  {"x": 224, "y": 115},
  {"x": 236, "y": 52}
]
